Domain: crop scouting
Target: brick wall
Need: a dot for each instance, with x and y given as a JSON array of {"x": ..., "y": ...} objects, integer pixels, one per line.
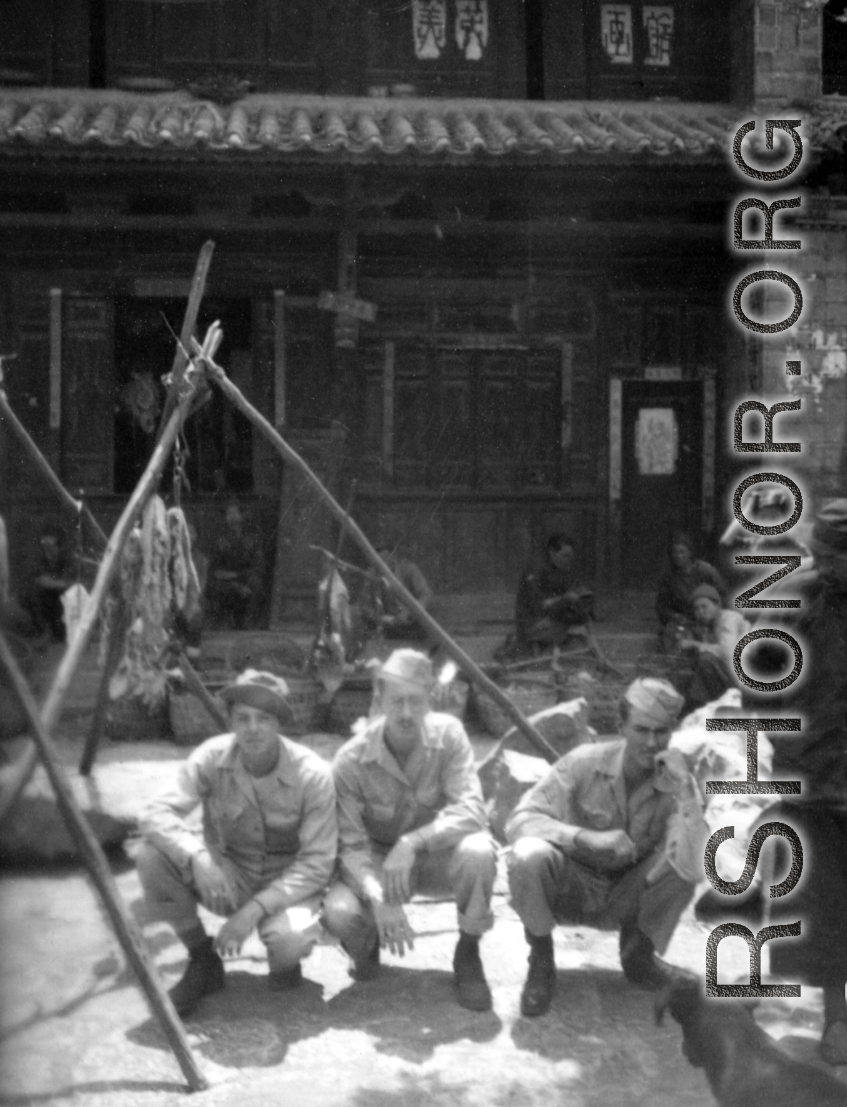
[{"x": 787, "y": 45}]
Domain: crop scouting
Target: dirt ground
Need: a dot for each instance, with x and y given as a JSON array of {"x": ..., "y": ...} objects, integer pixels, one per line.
[{"x": 75, "y": 1028}]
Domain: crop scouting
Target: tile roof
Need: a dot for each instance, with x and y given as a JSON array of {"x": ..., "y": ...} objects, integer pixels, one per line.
[{"x": 59, "y": 120}]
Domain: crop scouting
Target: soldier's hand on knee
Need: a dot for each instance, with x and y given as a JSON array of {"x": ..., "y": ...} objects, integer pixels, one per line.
[
  {"x": 395, "y": 933},
  {"x": 235, "y": 931},
  {"x": 213, "y": 885},
  {"x": 397, "y": 872}
]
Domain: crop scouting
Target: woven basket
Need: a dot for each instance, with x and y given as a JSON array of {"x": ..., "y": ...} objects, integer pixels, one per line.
[
  {"x": 304, "y": 693},
  {"x": 190, "y": 721},
  {"x": 528, "y": 699},
  {"x": 350, "y": 702}
]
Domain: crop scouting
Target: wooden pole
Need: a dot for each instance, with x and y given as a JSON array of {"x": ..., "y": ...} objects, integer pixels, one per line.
[
  {"x": 118, "y": 629},
  {"x": 465, "y": 663},
  {"x": 98, "y": 867},
  {"x": 202, "y": 693},
  {"x": 45, "y": 469},
  {"x": 117, "y": 632},
  {"x": 108, "y": 566},
  {"x": 189, "y": 322}
]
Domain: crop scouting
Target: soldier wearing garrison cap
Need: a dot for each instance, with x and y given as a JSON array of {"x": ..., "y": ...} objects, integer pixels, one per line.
[
  {"x": 817, "y": 756},
  {"x": 612, "y": 836},
  {"x": 410, "y": 817},
  {"x": 264, "y": 854}
]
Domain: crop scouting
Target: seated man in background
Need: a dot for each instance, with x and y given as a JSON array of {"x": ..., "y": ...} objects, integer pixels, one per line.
[
  {"x": 53, "y": 575},
  {"x": 550, "y": 606},
  {"x": 713, "y": 637},
  {"x": 267, "y": 848},
  {"x": 410, "y": 816},
  {"x": 235, "y": 572},
  {"x": 674, "y": 600},
  {"x": 612, "y": 836},
  {"x": 392, "y": 618}
]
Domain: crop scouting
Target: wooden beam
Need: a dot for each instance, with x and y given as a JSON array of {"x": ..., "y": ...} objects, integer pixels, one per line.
[
  {"x": 189, "y": 322},
  {"x": 280, "y": 397},
  {"x": 465, "y": 663},
  {"x": 98, "y": 868}
]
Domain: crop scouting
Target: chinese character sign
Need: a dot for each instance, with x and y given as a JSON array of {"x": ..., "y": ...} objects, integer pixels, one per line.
[
  {"x": 429, "y": 27},
  {"x": 658, "y": 28},
  {"x": 472, "y": 27},
  {"x": 616, "y": 31}
]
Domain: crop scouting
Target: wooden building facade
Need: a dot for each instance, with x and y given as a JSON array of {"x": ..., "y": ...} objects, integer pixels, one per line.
[{"x": 532, "y": 197}]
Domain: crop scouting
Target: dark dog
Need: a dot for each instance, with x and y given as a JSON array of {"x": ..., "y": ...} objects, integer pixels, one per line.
[{"x": 743, "y": 1064}]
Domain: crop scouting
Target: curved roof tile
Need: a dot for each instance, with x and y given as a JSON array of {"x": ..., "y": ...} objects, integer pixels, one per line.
[{"x": 309, "y": 125}]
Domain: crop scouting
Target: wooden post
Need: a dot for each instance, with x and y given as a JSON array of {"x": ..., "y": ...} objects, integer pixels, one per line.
[
  {"x": 53, "y": 705},
  {"x": 117, "y": 632},
  {"x": 45, "y": 469},
  {"x": 196, "y": 686},
  {"x": 98, "y": 867},
  {"x": 465, "y": 663},
  {"x": 189, "y": 322}
]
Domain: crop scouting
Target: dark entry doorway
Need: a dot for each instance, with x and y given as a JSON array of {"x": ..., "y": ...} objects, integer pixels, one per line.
[{"x": 661, "y": 473}]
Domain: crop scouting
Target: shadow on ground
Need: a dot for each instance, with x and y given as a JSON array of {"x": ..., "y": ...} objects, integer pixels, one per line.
[{"x": 407, "y": 1013}]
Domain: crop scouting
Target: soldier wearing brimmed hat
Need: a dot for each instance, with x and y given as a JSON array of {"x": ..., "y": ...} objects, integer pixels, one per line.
[
  {"x": 267, "y": 847},
  {"x": 410, "y": 817},
  {"x": 817, "y": 756},
  {"x": 612, "y": 836}
]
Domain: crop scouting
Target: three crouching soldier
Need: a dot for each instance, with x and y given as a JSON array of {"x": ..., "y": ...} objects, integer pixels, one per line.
[
  {"x": 410, "y": 817},
  {"x": 267, "y": 848},
  {"x": 612, "y": 836}
]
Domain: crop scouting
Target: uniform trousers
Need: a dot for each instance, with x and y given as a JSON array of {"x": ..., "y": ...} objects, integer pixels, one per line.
[{"x": 171, "y": 896}]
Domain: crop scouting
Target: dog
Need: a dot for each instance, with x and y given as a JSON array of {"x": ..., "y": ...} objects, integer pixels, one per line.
[{"x": 743, "y": 1064}]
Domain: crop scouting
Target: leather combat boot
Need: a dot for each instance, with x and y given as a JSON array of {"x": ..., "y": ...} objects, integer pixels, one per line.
[
  {"x": 540, "y": 984},
  {"x": 472, "y": 989},
  {"x": 365, "y": 966},
  {"x": 639, "y": 962},
  {"x": 204, "y": 975}
]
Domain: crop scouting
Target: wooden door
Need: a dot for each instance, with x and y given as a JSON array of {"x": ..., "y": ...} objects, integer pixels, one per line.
[{"x": 661, "y": 473}]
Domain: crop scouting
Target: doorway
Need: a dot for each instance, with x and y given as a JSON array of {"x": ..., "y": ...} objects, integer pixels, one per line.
[{"x": 661, "y": 473}]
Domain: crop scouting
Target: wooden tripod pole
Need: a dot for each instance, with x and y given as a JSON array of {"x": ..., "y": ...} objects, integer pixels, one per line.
[
  {"x": 189, "y": 322},
  {"x": 44, "y": 468},
  {"x": 98, "y": 868},
  {"x": 118, "y": 627},
  {"x": 465, "y": 663},
  {"x": 53, "y": 704}
]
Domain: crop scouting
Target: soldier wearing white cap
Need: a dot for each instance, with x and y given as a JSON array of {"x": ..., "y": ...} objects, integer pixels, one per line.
[
  {"x": 612, "y": 836},
  {"x": 410, "y": 817},
  {"x": 266, "y": 850}
]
